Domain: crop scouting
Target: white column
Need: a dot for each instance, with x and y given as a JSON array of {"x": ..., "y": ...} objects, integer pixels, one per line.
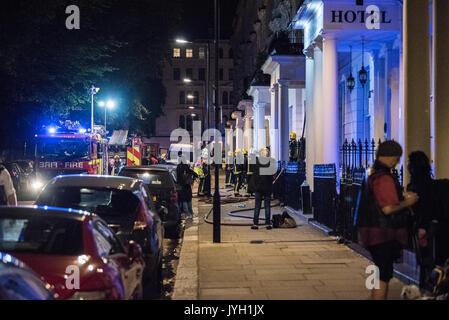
[
  {"x": 256, "y": 126},
  {"x": 261, "y": 130},
  {"x": 310, "y": 136},
  {"x": 318, "y": 104},
  {"x": 379, "y": 97},
  {"x": 274, "y": 121},
  {"x": 239, "y": 130},
  {"x": 416, "y": 79},
  {"x": 248, "y": 139},
  {"x": 283, "y": 120},
  {"x": 330, "y": 143},
  {"x": 441, "y": 80}
]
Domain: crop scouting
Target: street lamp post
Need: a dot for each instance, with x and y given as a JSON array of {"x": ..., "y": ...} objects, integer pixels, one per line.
[
  {"x": 216, "y": 201},
  {"x": 93, "y": 91},
  {"x": 108, "y": 105}
]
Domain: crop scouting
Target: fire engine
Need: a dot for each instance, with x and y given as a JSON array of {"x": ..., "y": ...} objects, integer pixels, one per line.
[{"x": 70, "y": 149}]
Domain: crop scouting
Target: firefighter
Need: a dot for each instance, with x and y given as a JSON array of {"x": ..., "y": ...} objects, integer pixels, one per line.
[
  {"x": 238, "y": 169},
  {"x": 293, "y": 148},
  {"x": 199, "y": 170},
  {"x": 245, "y": 170},
  {"x": 249, "y": 173},
  {"x": 117, "y": 165},
  {"x": 229, "y": 168}
]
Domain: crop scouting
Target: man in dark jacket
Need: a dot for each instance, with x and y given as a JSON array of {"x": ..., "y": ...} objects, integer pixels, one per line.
[
  {"x": 263, "y": 187},
  {"x": 185, "y": 177}
]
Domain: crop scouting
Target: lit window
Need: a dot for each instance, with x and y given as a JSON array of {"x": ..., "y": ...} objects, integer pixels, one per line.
[
  {"x": 202, "y": 53},
  {"x": 176, "y": 53},
  {"x": 189, "y": 53}
]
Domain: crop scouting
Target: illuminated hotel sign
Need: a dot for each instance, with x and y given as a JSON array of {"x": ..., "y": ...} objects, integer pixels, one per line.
[{"x": 370, "y": 16}]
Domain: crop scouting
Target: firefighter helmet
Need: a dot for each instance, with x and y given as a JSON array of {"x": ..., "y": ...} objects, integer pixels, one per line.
[
  {"x": 292, "y": 136},
  {"x": 237, "y": 151},
  {"x": 116, "y": 156},
  {"x": 230, "y": 153}
]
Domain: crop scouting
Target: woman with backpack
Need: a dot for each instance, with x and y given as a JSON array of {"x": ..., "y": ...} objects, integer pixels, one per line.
[{"x": 382, "y": 215}]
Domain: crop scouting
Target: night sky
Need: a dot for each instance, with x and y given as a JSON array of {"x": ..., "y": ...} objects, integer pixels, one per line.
[{"x": 199, "y": 19}]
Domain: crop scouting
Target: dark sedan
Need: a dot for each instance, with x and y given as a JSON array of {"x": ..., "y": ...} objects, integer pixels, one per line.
[
  {"x": 162, "y": 184},
  {"x": 125, "y": 204}
]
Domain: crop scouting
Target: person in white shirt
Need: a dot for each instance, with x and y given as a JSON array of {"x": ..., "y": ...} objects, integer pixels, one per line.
[{"x": 7, "y": 191}]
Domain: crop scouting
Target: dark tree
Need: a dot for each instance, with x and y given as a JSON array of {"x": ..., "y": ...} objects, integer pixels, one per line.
[{"x": 46, "y": 70}]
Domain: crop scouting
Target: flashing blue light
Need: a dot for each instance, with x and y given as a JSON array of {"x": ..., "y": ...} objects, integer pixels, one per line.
[
  {"x": 82, "y": 130},
  {"x": 52, "y": 130}
]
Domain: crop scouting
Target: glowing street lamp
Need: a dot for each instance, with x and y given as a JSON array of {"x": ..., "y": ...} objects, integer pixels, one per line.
[
  {"x": 183, "y": 41},
  {"x": 187, "y": 80},
  {"x": 93, "y": 91},
  {"x": 110, "y": 104}
]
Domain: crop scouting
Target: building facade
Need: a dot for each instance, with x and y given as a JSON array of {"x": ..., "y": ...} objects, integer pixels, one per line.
[
  {"x": 363, "y": 75},
  {"x": 186, "y": 75}
]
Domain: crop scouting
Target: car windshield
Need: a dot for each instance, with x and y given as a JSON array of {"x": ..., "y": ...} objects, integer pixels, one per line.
[
  {"x": 41, "y": 235},
  {"x": 111, "y": 204},
  {"x": 153, "y": 178},
  {"x": 63, "y": 148}
]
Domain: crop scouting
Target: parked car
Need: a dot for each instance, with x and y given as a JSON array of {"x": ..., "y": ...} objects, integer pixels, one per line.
[
  {"x": 19, "y": 282},
  {"x": 74, "y": 251},
  {"x": 162, "y": 186},
  {"x": 125, "y": 204}
]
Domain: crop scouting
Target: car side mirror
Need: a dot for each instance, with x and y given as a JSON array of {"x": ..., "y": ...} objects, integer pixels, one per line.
[{"x": 134, "y": 250}]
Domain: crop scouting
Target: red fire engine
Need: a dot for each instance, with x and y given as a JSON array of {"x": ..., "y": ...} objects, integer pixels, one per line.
[{"x": 69, "y": 149}]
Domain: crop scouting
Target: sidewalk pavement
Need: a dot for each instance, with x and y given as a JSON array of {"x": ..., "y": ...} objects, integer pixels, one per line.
[{"x": 279, "y": 264}]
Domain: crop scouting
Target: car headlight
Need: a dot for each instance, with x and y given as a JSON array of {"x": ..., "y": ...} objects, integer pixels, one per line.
[
  {"x": 37, "y": 185},
  {"x": 88, "y": 295}
]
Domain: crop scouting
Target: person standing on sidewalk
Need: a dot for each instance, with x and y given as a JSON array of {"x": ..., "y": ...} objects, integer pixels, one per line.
[
  {"x": 185, "y": 177},
  {"x": 263, "y": 187},
  {"x": 382, "y": 216}
]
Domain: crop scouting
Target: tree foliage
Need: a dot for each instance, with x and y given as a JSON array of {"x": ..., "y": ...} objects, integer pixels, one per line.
[{"x": 46, "y": 69}]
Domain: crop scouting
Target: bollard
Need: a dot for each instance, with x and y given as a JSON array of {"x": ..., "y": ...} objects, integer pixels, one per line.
[{"x": 305, "y": 198}]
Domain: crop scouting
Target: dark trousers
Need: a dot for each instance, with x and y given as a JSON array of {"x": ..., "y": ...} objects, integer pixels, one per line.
[
  {"x": 228, "y": 177},
  {"x": 238, "y": 183},
  {"x": 267, "y": 203}
]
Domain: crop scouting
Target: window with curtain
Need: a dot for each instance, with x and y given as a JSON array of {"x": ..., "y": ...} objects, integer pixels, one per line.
[
  {"x": 182, "y": 97},
  {"x": 189, "y": 123},
  {"x": 201, "y": 74},
  {"x": 182, "y": 122},
  {"x": 225, "y": 98},
  {"x": 176, "y": 74},
  {"x": 202, "y": 53},
  {"x": 189, "y": 73},
  {"x": 196, "y": 97}
]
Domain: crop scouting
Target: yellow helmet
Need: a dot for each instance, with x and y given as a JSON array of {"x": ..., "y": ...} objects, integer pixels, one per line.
[
  {"x": 230, "y": 153},
  {"x": 245, "y": 151},
  {"x": 116, "y": 157},
  {"x": 292, "y": 136},
  {"x": 237, "y": 151}
]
